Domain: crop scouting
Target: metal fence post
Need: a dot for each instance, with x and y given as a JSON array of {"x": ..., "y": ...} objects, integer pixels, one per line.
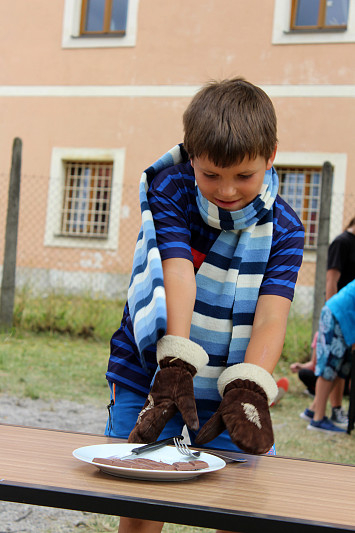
[
  {"x": 8, "y": 284},
  {"x": 323, "y": 243}
]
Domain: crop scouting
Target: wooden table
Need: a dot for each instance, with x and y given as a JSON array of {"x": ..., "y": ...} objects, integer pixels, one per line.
[{"x": 266, "y": 494}]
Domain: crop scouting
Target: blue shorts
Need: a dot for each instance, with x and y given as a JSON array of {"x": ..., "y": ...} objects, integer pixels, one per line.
[
  {"x": 123, "y": 414},
  {"x": 333, "y": 354}
]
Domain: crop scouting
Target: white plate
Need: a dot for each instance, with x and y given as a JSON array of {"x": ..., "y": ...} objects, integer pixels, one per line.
[{"x": 168, "y": 454}]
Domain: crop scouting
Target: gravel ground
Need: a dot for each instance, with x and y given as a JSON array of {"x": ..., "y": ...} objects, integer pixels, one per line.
[{"x": 18, "y": 517}]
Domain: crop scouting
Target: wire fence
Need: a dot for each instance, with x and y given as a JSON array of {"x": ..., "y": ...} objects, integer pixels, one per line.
[{"x": 47, "y": 262}]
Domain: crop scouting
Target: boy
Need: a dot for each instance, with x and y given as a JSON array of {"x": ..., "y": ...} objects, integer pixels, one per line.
[{"x": 213, "y": 278}]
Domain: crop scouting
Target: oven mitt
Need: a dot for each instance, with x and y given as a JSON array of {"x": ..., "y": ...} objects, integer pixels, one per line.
[
  {"x": 247, "y": 391},
  {"x": 172, "y": 391}
]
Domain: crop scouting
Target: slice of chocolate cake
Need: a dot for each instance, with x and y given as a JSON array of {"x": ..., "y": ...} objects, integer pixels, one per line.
[
  {"x": 190, "y": 465},
  {"x": 148, "y": 464}
]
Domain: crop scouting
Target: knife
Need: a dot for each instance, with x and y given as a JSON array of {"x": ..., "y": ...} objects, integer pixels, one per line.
[
  {"x": 150, "y": 447},
  {"x": 227, "y": 458}
]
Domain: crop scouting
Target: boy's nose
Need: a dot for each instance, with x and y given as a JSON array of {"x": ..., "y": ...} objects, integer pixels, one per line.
[{"x": 227, "y": 190}]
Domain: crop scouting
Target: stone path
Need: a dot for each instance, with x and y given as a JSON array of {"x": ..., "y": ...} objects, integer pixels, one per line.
[{"x": 17, "y": 517}]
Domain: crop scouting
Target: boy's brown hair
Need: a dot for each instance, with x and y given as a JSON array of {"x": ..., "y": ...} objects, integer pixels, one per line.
[{"x": 228, "y": 120}]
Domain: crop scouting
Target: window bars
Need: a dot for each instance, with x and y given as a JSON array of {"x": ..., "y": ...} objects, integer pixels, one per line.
[
  {"x": 300, "y": 188},
  {"x": 86, "y": 199}
]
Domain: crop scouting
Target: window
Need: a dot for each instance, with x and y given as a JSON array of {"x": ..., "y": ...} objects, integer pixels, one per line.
[
  {"x": 84, "y": 198},
  {"x": 300, "y": 187},
  {"x": 288, "y": 163},
  {"x": 319, "y": 14},
  {"x": 103, "y": 17},
  {"x": 99, "y": 23},
  {"x": 87, "y": 194},
  {"x": 313, "y": 21}
]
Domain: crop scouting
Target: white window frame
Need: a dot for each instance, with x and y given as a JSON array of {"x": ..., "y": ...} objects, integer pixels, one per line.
[
  {"x": 52, "y": 236},
  {"x": 316, "y": 159},
  {"x": 282, "y": 34},
  {"x": 308, "y": 202},
  {"x": 71, "y": 37}
]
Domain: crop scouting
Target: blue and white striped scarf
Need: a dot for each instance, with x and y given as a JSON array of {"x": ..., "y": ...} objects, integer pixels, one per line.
[
  {"x": 146, "y": 294},
  {"x": 228, "y": 281}
]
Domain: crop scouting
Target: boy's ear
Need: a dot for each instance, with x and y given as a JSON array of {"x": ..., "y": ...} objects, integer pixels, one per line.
[
  {"x": 192, "y": 162},
  {"x": 271, "y": 159}
]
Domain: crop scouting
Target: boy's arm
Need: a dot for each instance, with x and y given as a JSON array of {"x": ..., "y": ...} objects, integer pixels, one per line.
[
  {"x": 268, "y": 333},
  {"x": 331, "y": 284},
  {"x": 180, "y": 289},
  {"x": 179, "y": 358},
  {"x": 312, "y": 363}
]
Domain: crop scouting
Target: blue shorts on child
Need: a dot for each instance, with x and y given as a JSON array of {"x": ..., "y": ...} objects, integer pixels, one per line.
[{"x": 333, "y": 356}]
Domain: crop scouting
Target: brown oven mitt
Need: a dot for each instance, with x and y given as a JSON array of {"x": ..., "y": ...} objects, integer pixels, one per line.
[
  {"x": 172, "y": 391},
  {"x": 247, "y": 390}
]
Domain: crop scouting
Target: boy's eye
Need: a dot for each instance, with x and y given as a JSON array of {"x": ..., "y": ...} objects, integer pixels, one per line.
[
  {"x": 209, "y": 175},
  {"x": 245, "y": 176}
]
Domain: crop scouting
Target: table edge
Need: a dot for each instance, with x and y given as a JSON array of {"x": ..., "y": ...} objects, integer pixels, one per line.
[{"x": 172, "y": 512}]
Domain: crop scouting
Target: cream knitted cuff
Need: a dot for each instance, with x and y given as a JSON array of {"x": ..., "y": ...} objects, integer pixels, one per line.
[
  {"x": 184, "y": 349},
  {"x": 254, "y": 373}
]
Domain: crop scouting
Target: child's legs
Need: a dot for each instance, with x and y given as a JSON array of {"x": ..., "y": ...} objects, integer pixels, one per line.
[
  {"x": 134, "y": 525},
  {"x": 331, "y": 363},
  {"x": 337, "y": 392},
  {"x": 323, "y": 388}
]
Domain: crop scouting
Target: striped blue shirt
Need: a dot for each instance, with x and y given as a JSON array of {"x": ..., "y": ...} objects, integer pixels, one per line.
[{"x": 182, "y": 233}]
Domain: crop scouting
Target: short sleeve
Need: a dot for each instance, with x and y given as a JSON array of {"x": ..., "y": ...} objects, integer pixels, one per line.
[
  {"x": 337, "y": 255},
  {"x": 169, "y": 206},
  {"x": 284, "y": 264}
]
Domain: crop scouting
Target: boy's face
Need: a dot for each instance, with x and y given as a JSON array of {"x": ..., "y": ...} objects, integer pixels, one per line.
[{"x": 231, "y": 188}]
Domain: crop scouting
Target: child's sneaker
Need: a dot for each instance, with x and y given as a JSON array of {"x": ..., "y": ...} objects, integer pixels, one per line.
[
  {"x": 307, "y": 414},
  {"x": 324, "y": 425},
  {"x": 339, "y": 418}
]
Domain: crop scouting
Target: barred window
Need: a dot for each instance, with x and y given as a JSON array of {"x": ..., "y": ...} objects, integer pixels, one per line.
[
  {"x": 104, "y": 17},
  {"x": 300, "y": 188},
  {"x": 87, "y": 196},
  {"x": 319, "y": 14}
]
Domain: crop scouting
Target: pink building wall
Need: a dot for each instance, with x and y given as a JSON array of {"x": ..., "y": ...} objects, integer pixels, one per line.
[{"x": 132, "y": 98}]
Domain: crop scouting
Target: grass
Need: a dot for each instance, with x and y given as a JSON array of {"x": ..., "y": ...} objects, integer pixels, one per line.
[
  {"x": 54, "y": 366},
  {"x": 78, "y": 316},
  {"x": 84, "y": 317},
  {"x": 294, "y": 440},
  {"x": 298, "y": 339},
  {"x": 59, "y": 349}
]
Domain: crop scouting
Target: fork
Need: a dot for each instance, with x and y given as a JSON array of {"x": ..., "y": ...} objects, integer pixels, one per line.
[{"x": 184, "y": 449}]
